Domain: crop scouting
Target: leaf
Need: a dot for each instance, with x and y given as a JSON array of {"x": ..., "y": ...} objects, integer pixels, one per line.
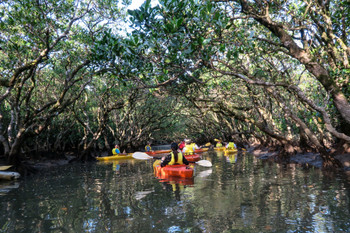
[
  {"x": 206, "y": 41},
  {"x": 251, "y": 34}
]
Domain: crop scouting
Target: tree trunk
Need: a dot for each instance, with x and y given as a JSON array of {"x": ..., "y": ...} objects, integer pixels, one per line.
[
  {"x": 306, "y": 58},
  {"x": 5, "y": 145}
]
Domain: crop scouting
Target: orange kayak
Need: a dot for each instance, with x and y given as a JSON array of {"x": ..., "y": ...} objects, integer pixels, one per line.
[
  {"x": 183, "y": 171},
  {"x": 193, "y": 158},
  {"x": 201, "y": 150},
  {"x": 157, "y": 152}
]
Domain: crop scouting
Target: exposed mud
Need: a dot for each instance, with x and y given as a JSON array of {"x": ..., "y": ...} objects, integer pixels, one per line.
[{"x": 306, "y": 159}]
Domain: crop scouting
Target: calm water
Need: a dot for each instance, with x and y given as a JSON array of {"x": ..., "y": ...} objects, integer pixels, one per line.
[{"x": 238, "y": 194}]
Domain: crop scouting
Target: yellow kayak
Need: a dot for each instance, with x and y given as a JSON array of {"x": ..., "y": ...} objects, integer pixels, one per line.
[
  {"x": 115, "y": 157},
  {"x": 228, "y": 151},
  {"x": 201, "y": 150},
  {"x": 220, "y": 148}
]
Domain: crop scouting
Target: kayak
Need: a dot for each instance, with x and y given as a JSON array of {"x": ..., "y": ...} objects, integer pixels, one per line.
[
  {"x": 115, "y": 157},
  {"x": 201, "y": 150},
  {"x": 157, "y": 152},
  {"x": 220, "y": 148},
  {"x": 183, "y": 171},
  {"x": 229, "y": 151},
  {"x": 193, "y": 157},
  {"x": 150, "y": 152},
  {"x": 168, "y": 151}
]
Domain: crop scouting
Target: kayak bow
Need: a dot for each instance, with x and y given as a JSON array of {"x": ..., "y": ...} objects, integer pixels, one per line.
[
  {"x": 115, "y": 157},
  {"x": 182, "y": 171}
]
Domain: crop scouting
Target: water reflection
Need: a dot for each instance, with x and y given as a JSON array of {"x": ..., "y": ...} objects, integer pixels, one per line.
[
  {"x": 238, "y": 194},
  {"x": 7, "y": 186}
]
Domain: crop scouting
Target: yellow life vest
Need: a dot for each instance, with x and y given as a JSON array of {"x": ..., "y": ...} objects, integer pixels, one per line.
[
  {"x": 115, "y": 151},
  {"x": 231, "y": 145},
  {"x": 218, "y": 144},
  {"x": 179, "y": 158},
  {"x": 189, "y": 150}
]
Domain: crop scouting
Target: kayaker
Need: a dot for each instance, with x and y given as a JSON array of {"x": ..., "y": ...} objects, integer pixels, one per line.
[
  {"x": 116, "y": 150},
  {"x": 182, "y": 145},
  {"x": 219, "y": 144},
  {"x": 175, "y": 157},
  {"x": 231, "y": 145},
  {"x": 148, "y": 147},
  {"x": 195, "y": 146},
  {"x": 189, "y": 148}
]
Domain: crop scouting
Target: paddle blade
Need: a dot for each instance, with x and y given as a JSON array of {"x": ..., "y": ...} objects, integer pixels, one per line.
[
  {"x": 3, "y": 168},
  {"x": 204, "y": 163},
  {"x": 141, "y": 155}
]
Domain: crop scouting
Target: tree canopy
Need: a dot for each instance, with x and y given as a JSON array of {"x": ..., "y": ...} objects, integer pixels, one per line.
[{"x": 273, "y": 72}]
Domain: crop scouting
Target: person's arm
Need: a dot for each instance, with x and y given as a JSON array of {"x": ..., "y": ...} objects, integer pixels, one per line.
[
  {"x": 184, "y": 160},
  {"x": 166, "y": 160}
]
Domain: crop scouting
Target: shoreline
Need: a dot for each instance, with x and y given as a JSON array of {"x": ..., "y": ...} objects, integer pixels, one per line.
[{"x": 307, "y": 159}]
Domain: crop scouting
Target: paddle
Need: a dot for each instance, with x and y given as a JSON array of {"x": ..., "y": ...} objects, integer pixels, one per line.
[
  {"x": 144, "y": 156},
  {"x": 3, "y": 168},
  {"x": 141, "y": 156}
]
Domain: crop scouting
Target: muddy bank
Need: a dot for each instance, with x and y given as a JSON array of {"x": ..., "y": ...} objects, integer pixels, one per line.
[{"x": 306, "y": 159}]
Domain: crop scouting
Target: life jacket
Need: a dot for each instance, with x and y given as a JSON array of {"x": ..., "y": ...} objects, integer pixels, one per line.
[
  {"x": 189, "y": 150},
  {"x": 148, "y": 148},
  {"x": 115, "y": 151},
  {"x": 194, "y": 145},
  {"x": 182, "y": 145},
  {"x": 231, "y": 145},
  {"x": 179, "y": 158},
  {"x": 218, "y": 144}
]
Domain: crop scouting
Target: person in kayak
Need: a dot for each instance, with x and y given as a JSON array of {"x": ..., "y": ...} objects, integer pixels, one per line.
[
  {"x": 175, "y": 157},
  {"x": 182, "y": 144},
  {"x": 189, "y": 148},
  {"x": 148, "y": 147},
  {"x": 195, "y": 146},
  {"x": 231, "y": 145},
  {"x": 116, "y": 150},
  {"x": 219, "y": 144}
]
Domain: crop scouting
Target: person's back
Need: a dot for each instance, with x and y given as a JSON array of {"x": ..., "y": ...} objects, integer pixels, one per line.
[
  {"x": 188, "y": 149},
  {"x": 195, "y": 146},
  {"x": 175, "y": 157},
  {"x": 231, "y": 145}
]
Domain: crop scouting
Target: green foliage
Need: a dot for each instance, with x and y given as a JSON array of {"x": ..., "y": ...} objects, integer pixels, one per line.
[{"x": 198, "y": 69}]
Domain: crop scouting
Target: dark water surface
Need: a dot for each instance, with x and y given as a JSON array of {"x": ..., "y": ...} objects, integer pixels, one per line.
[{"x": 238, "y": 194}]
